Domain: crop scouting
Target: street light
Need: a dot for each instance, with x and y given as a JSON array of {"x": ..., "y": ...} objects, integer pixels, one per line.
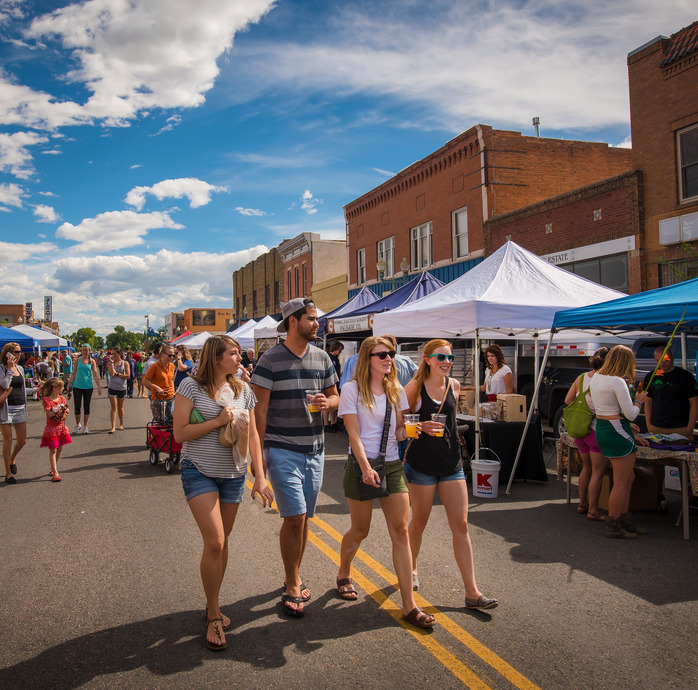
[{"x": 380, "y": 267}]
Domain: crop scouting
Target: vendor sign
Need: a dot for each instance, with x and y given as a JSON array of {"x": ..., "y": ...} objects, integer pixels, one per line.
[{"x": 350, "y": 324}]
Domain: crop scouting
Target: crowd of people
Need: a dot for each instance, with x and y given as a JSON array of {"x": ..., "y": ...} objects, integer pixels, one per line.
[{"x": 228, "y": 409}]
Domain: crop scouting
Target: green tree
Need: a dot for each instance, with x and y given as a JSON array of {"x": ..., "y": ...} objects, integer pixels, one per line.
[
  {"x": 126, "y": 340},
  {"x": 99, "y": 342},
  {"x": 83, "y": 336}
]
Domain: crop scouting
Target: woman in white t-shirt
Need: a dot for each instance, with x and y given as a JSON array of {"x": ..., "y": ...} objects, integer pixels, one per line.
[
  {"x": 362, "y": 405},
  {"x": 498, "y": 376},
  {"x": 213, "y": 476}
]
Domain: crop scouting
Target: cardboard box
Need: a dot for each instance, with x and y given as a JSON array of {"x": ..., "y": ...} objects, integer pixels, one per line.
[
  {"x": 643, "y": 495},
  {"x": 513, "y": 407}
]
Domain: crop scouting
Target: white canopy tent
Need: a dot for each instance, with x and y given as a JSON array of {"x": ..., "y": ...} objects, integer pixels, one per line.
[
  {"x": 242, "y": 329},
  {"x": 44, "y": 338},
  {"x": 195, "y": 341},
  {"x": 247, "y": 338},
  {"x": 511, "y": 294}
]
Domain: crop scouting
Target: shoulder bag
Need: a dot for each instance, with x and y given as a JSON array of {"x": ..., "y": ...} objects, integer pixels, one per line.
[
  {"x": 578, "y": 415},
  {"x": 368, "y": 492}
]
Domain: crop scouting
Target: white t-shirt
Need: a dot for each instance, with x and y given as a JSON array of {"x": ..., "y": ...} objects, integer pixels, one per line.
[
  {"x": 610, "y": 396},
  {"x": 496, "y": 384},
  {"x": 371, "y": 420}
]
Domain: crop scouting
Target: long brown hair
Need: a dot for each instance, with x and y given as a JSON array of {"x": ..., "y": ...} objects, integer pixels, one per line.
[
  {"x": 49, "y": 384},
  {"x": 185, "y": 352},
  {"x": 620, "y": 361},
  {"x": 497, "y": 352},
  {"x": 211, "y": 352},
  {"x": 5, "y": 350},
  {"x": 362, "y": 373},
  {"x": 423, "y": 371}
]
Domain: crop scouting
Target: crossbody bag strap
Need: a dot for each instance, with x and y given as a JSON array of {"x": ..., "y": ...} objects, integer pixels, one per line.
[
  {"x": 448, "y": 388},
  {"x": 386, "y": 428}
]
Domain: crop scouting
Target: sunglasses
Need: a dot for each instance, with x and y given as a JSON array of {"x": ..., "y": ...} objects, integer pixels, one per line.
[
  {"x": 443, "y": 358},
  {"x": 384, "y": 354}
]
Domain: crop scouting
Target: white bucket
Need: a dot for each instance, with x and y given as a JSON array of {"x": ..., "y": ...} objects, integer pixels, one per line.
[{"x": 485, "y": 477}]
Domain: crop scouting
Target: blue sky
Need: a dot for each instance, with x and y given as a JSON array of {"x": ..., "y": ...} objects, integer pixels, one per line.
[{"x": 149, "y": 148}]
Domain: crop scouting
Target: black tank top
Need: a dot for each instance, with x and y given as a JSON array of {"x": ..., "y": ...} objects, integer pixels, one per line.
[
  {"x": 16, "y": 397},
  {"x": 432, "y": 455}
]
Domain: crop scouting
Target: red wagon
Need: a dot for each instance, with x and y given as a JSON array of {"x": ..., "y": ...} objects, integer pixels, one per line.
[{"x": 160, "y": 439}]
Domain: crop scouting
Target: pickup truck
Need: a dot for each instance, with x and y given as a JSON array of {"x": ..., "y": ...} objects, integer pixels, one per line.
[{"x": 558, "y": 379}]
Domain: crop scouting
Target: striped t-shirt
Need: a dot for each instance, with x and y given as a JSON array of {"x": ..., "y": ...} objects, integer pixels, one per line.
[
  {"x": 210, "y": 457},
  {"x": 289, "y": 423}
]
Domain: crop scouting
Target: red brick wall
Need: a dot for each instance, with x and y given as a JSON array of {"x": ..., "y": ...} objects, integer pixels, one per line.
[
  {"x": 570, "y": 219},
  {"x": 662, "y": 101},
  {"x": 490, "y": 172}
]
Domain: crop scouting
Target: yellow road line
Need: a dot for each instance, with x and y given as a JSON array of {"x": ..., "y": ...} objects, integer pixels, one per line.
[{"x": 449, "y": 625}]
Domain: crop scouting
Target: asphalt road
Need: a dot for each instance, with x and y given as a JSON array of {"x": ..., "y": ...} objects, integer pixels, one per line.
[{"x": 100, "y": 588}]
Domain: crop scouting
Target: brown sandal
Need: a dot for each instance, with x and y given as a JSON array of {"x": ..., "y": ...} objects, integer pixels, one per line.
[
  {"x": 217, "y": 624},
  {"x": 346, "y": 589},
  {"x": 419, "y": 619},
  {"x": 225, "y": 625},
  {"x": 582, "y": 510},
  {"x": 595, "y": 516}
]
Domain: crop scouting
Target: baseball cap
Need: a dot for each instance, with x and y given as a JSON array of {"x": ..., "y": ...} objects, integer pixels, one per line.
[{"x": 291, "y": 307}]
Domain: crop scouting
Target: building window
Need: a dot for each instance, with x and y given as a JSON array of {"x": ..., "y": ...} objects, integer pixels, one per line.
[
  {"x": 421, "y": 246},
  {"x": 277, "y": 294},
  {"x": 673, "y": 272},
  {"x": 385, "y": 249},
  {"x": 361, "y": 266},
  {"x": 290, "y": 290},
  {"x": 267, "y": 298},
  {"x": 611, "y": 271},
  {"x": 254, "y": 302},
  {"x": 298, "y": 282},
  {"x": 679, "y": 229},
  {"x": 459, "y": 220},
  {"x": 305, "y": 279},
  {"x": 688, "y": 162},
  {"x": 244, "y": 303},
  {"x": 237, "y": 308}
]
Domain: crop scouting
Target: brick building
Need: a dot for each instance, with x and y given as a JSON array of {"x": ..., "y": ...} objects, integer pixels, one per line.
[
  {"x": 594, "y": 231},
  {"x": 258, "y": 286},
  {"x": 208, "y": 319},
  {"x": 308, "y": 261},
  {"x": 663, "y": 82},
  {"x": 431, "y": 215}
]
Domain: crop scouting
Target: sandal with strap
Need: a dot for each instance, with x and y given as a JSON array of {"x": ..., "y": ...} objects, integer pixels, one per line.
[
  {"x": 481, "y": 603},
  {"x": 303, "y": 588},
  {"x": 226, "y": 626},
  {"x": 297, "y": 612},
  {"x": 346, "y": 589},
  {"x": 595, "y": 516},
  {"x": 582, "y": 510},
  {"x": 217, "y": 624},
  {"x": 419, "y": 619}
]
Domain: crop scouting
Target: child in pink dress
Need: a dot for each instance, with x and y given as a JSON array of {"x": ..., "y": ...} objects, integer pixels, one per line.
[{"x": 55, "y": 434}]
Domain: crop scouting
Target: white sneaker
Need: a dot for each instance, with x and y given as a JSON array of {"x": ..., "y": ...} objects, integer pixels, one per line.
[
  {"x": 76, "y": 429},
  {"x": 85, "y": 430}
]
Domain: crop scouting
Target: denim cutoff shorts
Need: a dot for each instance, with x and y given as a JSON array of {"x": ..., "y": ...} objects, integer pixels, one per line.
[
  {"x": 194, "y": 484},
  {"x": 296, "y": 479},
  {"x": 421, "y": 479}
]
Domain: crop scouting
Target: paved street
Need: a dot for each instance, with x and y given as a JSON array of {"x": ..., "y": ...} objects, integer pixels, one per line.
[{"x": 101, "y": 588}]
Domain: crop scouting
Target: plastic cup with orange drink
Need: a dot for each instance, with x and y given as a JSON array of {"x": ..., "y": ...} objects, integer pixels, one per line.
[
  {"x": 439, "y": 419},
  {"x": 411, "y": 421}
]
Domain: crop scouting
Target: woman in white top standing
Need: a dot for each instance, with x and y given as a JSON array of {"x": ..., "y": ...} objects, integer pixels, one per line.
[
  {"x": 614, "y": 411},
  {"x": 593, "y": 461},
  {"x": 213, "y": 476},
  {"x": 362, "y": 405},
  {"x": 498, "y": 376}
]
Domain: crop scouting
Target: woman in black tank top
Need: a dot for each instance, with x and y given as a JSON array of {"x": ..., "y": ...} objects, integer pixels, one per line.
[{"x": 433, "y": 462}]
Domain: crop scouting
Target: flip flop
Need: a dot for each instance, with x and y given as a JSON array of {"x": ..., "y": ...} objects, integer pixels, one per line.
[
  {"x": 419, "y": 619},
  {"x": 218, "y": 629},
  {"x": 55, "y": 478},
  {"x": 595, "y": 516},
  {"x": 303, "y": 589},
  {"x": 294, "y": 613},
  {"x": 481, "y": 603},
  {"x": 346, "y": 589}
]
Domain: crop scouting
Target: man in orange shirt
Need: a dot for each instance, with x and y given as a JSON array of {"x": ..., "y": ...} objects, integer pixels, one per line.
[{"x": 159, "y": 380}]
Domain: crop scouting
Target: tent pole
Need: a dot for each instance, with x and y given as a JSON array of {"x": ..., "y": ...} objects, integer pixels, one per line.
[
  {"x": 530, "y": 410},
  {"x": 683, "y": 350},
  {"x": 476, "y": 370},
  {"x": 534, "y": 400}
]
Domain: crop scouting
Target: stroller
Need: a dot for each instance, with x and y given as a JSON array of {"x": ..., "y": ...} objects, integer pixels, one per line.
[{"x": 160, "y": 436}]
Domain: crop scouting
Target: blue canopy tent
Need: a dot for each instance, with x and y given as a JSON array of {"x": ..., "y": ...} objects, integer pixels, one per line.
[
  {"x": 7, "y": 335},
  {"x": 358, "y": 323},
  {"x": 362, "y": 298},
  {"x": 659, "y": 311}
]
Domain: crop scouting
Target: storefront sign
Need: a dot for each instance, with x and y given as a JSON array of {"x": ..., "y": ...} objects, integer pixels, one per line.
[
  {"x": 591, "y": 251},
  {"x": 349, "y": 324}
]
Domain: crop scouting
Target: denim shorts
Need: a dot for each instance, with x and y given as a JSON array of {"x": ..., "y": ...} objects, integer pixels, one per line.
[
  {"x": 414, "y": 477},
  {"x": 296, "y": 479},
  {"x": 194, "y": 484},
  {"x": 16, "y": 414}
]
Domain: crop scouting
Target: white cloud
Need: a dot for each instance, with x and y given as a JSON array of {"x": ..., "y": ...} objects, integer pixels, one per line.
[
  {"x": 172, "y": 122},
  {"x": 13, "y": 252},
  {"x": 309, "y": 203},
  {"x": 52, "y": 152},
  {"x": 114, "y": 230},
  {"x": 14, "y": 151},
  {"x": 386, "y": 173},
  {"x": 627, "y": 143},
  {"x": 48, "y": 194},
  {"x": 197, "y": 191},
  {"x": 135, "y": 166},
  {"x": 249, "y": 211},
  {"x": 11, "y": 194},
  {"x": 46, "y": 214},
  {"x": 564, "y": 62}
]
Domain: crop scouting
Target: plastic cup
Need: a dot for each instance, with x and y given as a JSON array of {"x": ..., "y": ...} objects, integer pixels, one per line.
[
  {"x": 312, "y": 407},
  {"x": 411, "y": 421},
  {"x": 440, "y": 419}
]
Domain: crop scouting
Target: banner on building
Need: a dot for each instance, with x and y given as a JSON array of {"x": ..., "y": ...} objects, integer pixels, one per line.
[
  {"x": 48, "y": 308},
  {"x": 28, "y": 311}
]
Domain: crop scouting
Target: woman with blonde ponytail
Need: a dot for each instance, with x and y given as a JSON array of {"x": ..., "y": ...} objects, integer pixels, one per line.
[
  {"x": 433, "y": 462},
  {"x": 363, "y": 404}
]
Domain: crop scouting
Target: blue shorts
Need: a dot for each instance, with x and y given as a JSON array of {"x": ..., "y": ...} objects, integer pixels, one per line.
[
  {"x": 414, "y": 477},
  {"x": 296, "y": 479},
  {"x": 194, "y": 484}
]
